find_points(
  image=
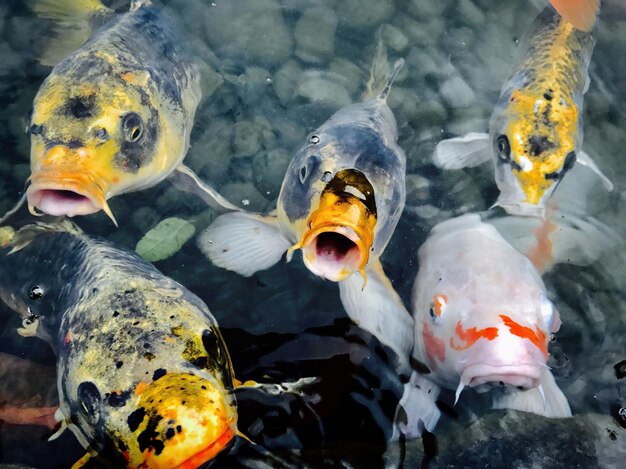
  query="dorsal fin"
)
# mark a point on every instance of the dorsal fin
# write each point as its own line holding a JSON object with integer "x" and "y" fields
{"x": 382, "y": 75}
{"x": 581, "y": 13}
{"x": 25, "y": 235}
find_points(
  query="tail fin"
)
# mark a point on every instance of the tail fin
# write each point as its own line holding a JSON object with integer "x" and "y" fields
{"x": 72, "y": 25}
{"x": 382, "y": 75}
{"x": 581, "y": 13}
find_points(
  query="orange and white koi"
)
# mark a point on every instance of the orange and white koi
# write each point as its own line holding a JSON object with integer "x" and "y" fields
{"x": 536, "y": 129}
{"x": 483, "y": 320}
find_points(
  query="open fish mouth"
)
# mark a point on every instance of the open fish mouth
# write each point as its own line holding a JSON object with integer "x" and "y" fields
{"x": 60, "y": 193}
{"x": 340, "y": 233}
{"x": 335, "y": 251}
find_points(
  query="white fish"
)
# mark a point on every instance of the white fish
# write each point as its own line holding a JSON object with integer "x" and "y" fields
{"x": 483, "y": 320}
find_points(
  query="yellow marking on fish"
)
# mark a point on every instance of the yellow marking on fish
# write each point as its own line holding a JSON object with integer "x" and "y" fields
{"x": 543, "y": 114}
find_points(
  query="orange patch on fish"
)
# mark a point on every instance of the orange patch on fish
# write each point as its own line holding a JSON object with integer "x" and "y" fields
{"x": 141, "y": 387}
{"x": 541, "y": 253}
{"x": 537, "y": 337}
{"x": 581, "y": 13}
{"x": 470, "y": 336}
{"x": 435, "y": 347}
{"x": 68, "y": 339}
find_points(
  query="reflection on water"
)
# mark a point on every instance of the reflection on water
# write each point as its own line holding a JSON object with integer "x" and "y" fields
{"x": 281, "y": 67}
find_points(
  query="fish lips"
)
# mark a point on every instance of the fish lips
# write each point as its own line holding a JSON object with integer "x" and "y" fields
{"x": 68, "y": 193}
{"x": 484, "y": 376}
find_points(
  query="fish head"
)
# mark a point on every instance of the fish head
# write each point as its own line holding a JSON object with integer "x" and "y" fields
{"x": 35, "y": 283}
{"x": 487, "y": 345}
{"x": 161, "y": 399}
{"x": 534, "y": 145}
{"x": 91, "y": 139}
{"x": 342, "y": 197}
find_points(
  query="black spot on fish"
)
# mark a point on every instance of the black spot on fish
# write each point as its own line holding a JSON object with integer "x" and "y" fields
{"x": 149, "y": 437}
{"x": 179, "y": 429}
{"x": 80, "y": 107}
{"x": 548, "y": 95}
{"x": 116, "y": 314}
{"x": 118, "y": 364}
{"x": 555, "y": 176}
{"x": 149, "y": 356}
{"x": 135, "y": 419}
{"x": 118, "y": 400}
{"x": 170, "y": 433}
{"x": 539, "y": 144}
{"x": 146, "y": 345}
{"x": 159, "y": 373}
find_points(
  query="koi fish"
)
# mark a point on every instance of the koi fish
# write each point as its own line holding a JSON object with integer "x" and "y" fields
{"x": 483, "y": 320}
{"x": 115, "y": 115}
{"x": 339, "y": 204}
{"x": 144, "y": 376}
{"x": 536, "y": 129}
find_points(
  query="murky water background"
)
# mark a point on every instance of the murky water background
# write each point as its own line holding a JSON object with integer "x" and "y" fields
{"x": 281, "y": 67}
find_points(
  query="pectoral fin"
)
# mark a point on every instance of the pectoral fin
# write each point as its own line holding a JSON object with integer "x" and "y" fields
{"x": 184, "y": 179}
{"x": 584, "y": 159}
{"x": 460, "y": 152}
{"x": 546, "y": 399}
{"x": 377, "y": 308}
{"x": 417, "y": 410}
{"x": 243, "y": 242}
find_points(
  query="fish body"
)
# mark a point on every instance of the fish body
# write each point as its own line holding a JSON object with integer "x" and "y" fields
{"x": 144, "y": 376}
{"x": 536, "y": 128}
{"x": 339, "y": 203}
{"x": 483, "y": 318}
{"x": 115, "y": 115}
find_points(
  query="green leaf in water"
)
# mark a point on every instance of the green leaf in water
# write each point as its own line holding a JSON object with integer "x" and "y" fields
{"x": 165, "y": 239}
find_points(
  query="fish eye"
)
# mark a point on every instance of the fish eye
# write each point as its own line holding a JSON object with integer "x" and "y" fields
{"x": 549, "y": 313}
{"x": 89, "y": 400}
{"x": 36, "y": 292}
{"x": 132, "y": 127}
{"x": 35, "y": 129}
{"x": 503, "y": 148}
{"x": 314, "y": 139}
{"x": 327, "y": 176}
{"x": 437, "y": 307}
{"x": 102, "y": 133}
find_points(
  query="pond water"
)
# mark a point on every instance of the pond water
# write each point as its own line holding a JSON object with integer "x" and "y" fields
{"x": 281, "y": 68}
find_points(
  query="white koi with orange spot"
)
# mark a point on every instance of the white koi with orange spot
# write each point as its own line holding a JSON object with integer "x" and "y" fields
{"x": 483, "y": 319}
